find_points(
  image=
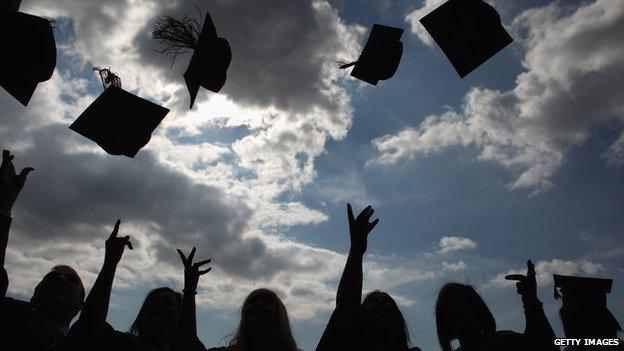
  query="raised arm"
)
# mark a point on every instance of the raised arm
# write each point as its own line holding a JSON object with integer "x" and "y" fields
{"x": 93, "y": 316}
{"x": 186, "y": 337}
{"x": 338, "y": 334}
{"x": 537, "y": 329}
{"x": 349, "y": 293}
{"x": 10, "y": 186}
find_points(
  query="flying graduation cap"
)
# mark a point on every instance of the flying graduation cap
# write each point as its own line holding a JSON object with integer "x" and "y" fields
{"x": 29, "y": 51}
{"x": 381, "y": 55}
{"x": 120, "y": 122}
{"x": 591, "y": 291}
{"x": 469, "y": 32}
{"x": 211, "y": 54}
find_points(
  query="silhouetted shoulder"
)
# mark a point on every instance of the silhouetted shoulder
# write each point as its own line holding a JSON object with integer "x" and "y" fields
{"x": 20, "y": 327}
{"x": 415, "y": 349}
{"x": 9, "y": 304}
{"x": 14, "y": 314}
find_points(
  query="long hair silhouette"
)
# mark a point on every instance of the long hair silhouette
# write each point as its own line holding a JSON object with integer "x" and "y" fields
{"x": 262, "y": 312}
{"x": 153, "y": 306}
{"x": 459, "y": 311}
{"x": 381, "y": 314}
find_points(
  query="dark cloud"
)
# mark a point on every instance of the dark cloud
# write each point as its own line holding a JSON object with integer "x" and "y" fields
{"x": 279, "y": 50}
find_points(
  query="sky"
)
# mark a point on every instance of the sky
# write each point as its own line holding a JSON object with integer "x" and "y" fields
{"x": 522, "y": 159}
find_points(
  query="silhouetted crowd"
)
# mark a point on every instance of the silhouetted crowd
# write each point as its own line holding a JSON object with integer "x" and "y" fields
{"x": 167, "y": 318}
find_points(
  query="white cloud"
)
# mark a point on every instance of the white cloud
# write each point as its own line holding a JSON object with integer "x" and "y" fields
{"x": 414, "y": 17}
{"x": 455, "y": 243}
{"x": 573, "y": 82}
{"x": 453, "y": 266}
{"x": 225, "y": 197}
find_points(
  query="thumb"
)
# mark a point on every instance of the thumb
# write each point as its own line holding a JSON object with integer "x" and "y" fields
{"x": 127, "y": 242}
{"x": 23, "y": 174}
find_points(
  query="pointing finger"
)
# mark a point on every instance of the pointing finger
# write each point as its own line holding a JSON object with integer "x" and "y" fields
{"x": 115, "y": 230}
{"x": 518, "y": 277}
{"x": 530, "y": 269}
{"x": 182, "y": 257}
{"x": 350, "y": 214}
{"x": 190, "y": 257}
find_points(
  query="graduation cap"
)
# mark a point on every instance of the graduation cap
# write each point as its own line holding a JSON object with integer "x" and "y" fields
{"x": 589, "y": 291}
{"x": 29, "y": 51}
{"x": 381, "y": 55}
{"x": 120, "y": 122}
{"x": 211, "y": 54}
{"x": 469, "y": 32}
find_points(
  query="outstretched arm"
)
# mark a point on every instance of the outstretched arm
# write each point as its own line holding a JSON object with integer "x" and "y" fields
{"x": 10, "y": 186}
{"x": 349, "y": 293}
{"x": 186, "y": 337}
{"x": 537, "y": 328}
{"x": 337, "y": 333}
{"x": 95, "y": 310}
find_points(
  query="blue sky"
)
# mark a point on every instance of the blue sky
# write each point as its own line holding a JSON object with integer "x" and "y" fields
{"x": 258, "y": 176}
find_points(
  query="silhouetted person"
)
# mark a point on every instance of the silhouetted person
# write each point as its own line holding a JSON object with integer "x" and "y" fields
{"x": 584, "y": 312}
{"x": 264, "y": 324}
{"x": 155, "y": 324}
{"x": 186, "y": 337}
{"x": 376, "y": 323}
{"x": 461, "y": 314}
{"x": 43, "y": 322}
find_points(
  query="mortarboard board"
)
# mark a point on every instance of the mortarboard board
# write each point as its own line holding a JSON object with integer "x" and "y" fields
{"x": 211, "y": 55}
{"x": 381, "y": 55}
{"x": 29, "y": 57}
{"x": 120, "y": 122}
{"x": 469, "y": 32}
{"x": 588, "y": 291}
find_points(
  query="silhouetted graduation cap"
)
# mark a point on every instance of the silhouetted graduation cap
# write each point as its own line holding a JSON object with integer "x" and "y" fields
{"x": 211, "y": 54}
{"x": 587, "y": 291}
{"x": 469, "y": 32}
{"x": 209, "y": 63}
{"x": 29, "y": 51}
{"x": 120, "y": 122}
{"x": 381, "y": 55}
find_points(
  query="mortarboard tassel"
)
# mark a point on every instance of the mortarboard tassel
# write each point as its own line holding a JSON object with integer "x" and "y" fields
{"x": 211, "y": 54}
{"x": 108, "y": 77}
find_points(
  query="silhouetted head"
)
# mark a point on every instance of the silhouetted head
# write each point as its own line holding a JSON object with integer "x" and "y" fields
{"x": 60, "y": 294}
{"x": 582, "y": 321}
{"x": 262, "y": 314}
{"x": 461, "y": 314}
{"x": 158, "y": 314}
{"x": 383, "y": 320}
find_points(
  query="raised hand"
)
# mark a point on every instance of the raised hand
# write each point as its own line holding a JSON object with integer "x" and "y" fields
{"x": 115, "y": 246}
{"x": 10, "y": 183}
{"x": 360, "y": 227}
{"x": 527, "y": 284}
{"x": 192, "y": 271}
